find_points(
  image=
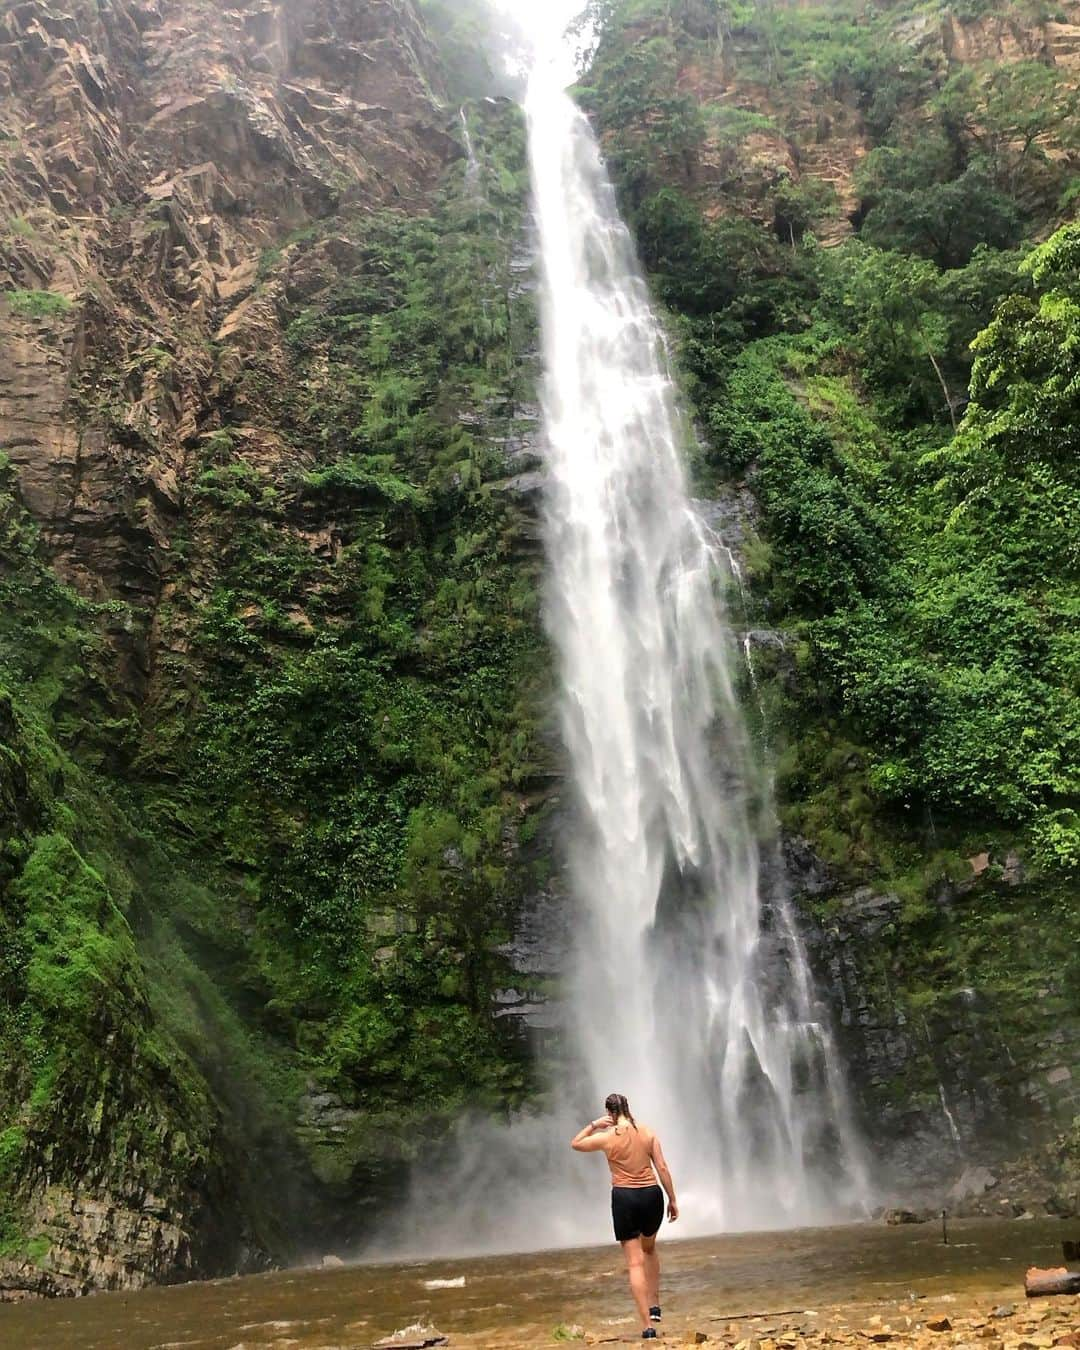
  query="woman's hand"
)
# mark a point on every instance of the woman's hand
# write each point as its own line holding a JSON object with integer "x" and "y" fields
{"x": 672, "y": 1211}
{"x": 601, "y": 1123}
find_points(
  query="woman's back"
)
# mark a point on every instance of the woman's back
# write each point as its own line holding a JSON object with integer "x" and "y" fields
{"x": 628, "y": 1149}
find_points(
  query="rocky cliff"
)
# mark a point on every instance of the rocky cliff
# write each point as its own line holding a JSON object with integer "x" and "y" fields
{"x": 271, "y": 694}
{"x": 770, "y": 118}
{"x": 151, "y": 154}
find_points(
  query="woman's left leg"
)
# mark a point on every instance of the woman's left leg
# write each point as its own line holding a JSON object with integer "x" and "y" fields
{"x": 635, "y": 1269}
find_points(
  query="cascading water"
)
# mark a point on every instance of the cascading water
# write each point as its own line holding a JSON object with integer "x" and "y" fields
{"x": 472, "y": 164}
{"x": 688, "y": 988}
{"x": 687, "y": 992}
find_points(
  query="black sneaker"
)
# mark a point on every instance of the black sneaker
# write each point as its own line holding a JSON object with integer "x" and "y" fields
{"x": 649, "y": 1334}
{"x": 654, "y": 1314}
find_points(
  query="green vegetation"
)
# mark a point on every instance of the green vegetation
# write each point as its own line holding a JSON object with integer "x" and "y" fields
{"x": 364, "y": 725}
{"x": 38, "y": 304}
{"x": 291, "y": 871}
{"x": 119, "y": 1059}
{"x": 903, "y": 407}
{"x": 930, "y": 576}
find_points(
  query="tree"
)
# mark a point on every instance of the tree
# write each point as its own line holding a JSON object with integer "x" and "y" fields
{"x": 1006, "y": 111}
{"x": 894, "y": 304}
{"x": 921, "y": 201}
{"x": 1016, "y": 461}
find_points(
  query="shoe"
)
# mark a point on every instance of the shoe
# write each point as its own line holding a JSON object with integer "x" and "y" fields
{"x": 649, "y": 1334}
{"x": 654, "y": 1314}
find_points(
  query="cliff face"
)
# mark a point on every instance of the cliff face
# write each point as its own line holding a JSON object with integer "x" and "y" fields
{"x": 270, "y": 664}
{"x": 786, "y": 107}
{"x": 151, "y": 153}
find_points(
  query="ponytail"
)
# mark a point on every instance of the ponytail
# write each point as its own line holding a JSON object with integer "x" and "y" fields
{"x": 616, "y": 1105}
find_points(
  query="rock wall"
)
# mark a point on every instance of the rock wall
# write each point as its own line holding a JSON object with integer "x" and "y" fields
{"x": 180, "y": 184}
{"x": 770, "y": 127}
{"x": 150, "y": 154}
{"x": 948, "y": 1077}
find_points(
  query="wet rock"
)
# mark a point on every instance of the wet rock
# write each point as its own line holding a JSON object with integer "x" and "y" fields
{"x": 412, "y": 1339}
{"x": 973, "y": 1181}
{"x": 734, "y": 515}
{"x": 895, "y": 1217}
{"x": 1012, "y": 869}
{"x": 527, "y": 487}
{"x": 806, "y": 873}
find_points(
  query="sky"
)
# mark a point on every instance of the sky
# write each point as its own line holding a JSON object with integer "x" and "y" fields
{"x": 545, "y": 22}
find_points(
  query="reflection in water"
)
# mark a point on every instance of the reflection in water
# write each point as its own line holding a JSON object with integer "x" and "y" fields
{"x": 514, "y": 1301}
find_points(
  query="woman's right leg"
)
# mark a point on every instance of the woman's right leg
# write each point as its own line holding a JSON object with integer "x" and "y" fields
{"x": 635, "y": 1268}
{"x": 652, "y": 1270}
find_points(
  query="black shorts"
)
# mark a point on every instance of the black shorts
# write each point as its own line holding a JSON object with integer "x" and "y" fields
{"x": 637, "y": 1211}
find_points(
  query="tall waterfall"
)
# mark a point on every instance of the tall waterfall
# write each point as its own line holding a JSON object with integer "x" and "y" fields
{"x": 688, "y": 989}
{"x": 687, "y": 992}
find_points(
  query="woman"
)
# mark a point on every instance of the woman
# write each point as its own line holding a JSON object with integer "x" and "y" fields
{"x": 637, "y": 1203}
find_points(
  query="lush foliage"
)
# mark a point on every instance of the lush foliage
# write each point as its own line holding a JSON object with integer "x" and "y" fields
{"x": 365, "y": 731}
{"x": 931, "y": 575}
{"x": 291, "y": 871}
{"x": 98, "y": 1063}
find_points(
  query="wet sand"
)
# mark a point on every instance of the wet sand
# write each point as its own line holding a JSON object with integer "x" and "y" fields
{"x": 858, "y": 1284}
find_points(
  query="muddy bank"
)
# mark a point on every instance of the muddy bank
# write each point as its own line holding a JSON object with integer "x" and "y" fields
{"x": 854, "y": 1285}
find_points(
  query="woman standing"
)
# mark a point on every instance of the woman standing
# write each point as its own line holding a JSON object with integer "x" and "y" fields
{"x": 637, "y": 1202}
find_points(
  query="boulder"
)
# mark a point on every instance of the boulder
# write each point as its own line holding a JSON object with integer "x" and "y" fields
{"x": 972, "y": 1182}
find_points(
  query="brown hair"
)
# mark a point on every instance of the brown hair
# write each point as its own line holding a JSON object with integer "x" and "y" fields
{"x": 616, "y": 1105}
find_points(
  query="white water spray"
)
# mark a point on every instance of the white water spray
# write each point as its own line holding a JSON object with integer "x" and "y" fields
{"x": 687, "y": 993}
{"x": 472, "y": 165}
{"x": 688, "y": 989}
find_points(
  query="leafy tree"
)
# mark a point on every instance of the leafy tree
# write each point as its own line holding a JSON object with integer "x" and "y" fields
{"x": 1017, "y": 456}
{"x": 1006, "y": 111}
{"x": 918, "y": 201}
{"x": 894, "y": 305}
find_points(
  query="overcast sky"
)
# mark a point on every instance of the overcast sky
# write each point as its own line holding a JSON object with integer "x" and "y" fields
{"x": 545, "y": 21}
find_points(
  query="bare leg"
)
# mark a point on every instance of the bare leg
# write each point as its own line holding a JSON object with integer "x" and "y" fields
{"x": 635, "y": 1268}
{"x": 652, "y": 1270}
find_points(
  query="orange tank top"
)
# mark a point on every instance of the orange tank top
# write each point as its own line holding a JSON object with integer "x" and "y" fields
{"x": 628, "y": 1149}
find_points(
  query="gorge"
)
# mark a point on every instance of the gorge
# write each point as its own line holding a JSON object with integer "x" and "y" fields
{"x": 285, "y": 804}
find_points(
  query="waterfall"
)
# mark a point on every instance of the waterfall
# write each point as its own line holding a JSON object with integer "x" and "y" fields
{"x": 689, "y": 989}
{"x": 472, "y": 165}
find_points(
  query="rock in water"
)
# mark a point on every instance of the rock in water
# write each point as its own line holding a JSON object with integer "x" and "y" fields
{"x": 1058, "y": 1280}
{"x": 412, "y": 1338}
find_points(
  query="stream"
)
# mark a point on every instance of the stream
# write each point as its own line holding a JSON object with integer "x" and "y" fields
{"x": 517, "y": 1301}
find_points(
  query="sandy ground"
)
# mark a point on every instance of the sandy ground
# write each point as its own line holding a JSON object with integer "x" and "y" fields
{"x": 1000, "y": 1320}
